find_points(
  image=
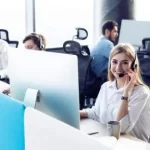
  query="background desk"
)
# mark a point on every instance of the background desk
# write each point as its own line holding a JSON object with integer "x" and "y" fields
{"x": 89, "y": 126}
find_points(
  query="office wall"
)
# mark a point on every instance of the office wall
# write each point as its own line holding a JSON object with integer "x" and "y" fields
{"x": 58, "y": 19}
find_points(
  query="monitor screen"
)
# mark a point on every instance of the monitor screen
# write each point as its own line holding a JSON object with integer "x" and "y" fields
{"x": 54, "y": 75}
{"x": 134, "y": 31}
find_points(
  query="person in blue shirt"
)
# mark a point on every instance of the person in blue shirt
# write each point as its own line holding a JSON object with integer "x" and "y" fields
{"x": 102, "y": 49}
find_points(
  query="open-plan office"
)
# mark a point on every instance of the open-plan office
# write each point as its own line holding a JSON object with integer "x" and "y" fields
{"x": 47, "y": 89}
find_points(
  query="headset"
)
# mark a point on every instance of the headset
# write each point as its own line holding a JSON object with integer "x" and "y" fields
{"x": 40, "y": 40}
{"x": 41, "y": 45}
{"x": 133, "y": 66}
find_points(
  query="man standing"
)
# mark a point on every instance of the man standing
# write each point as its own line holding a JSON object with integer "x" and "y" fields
{"x": 101, "y": 51}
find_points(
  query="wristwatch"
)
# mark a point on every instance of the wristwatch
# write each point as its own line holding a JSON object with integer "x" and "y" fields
{"x": 124, "y": 98}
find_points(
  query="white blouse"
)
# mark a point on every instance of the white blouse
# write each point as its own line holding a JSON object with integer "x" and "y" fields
{"x": 136, "y": 122}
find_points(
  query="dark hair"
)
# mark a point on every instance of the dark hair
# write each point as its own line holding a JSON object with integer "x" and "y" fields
{"x": 38, "y": 39}
{"x": 108, "y": 25}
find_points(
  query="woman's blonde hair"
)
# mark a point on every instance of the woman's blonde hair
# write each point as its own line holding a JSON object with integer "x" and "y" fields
{"x": 130, "y": 52}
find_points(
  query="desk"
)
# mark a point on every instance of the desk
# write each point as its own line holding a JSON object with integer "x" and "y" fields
{"x": 89, "y": 126}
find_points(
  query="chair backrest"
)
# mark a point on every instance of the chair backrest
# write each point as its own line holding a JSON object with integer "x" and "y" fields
{"x": 144, "y": 52}
{"x": 84, "y": 64}
{"x": 145, "y": 41}
{"x": 13, "y": 43}
{"x": 145, "y": 72}
{"x": 4, "y": 35}
{"x": 94, "y": 84}
{"x": 86, "y": 49}
{"x": 56, "y": 50}
{"x": 11, "y": 124}
{"x": 147, "y": 47}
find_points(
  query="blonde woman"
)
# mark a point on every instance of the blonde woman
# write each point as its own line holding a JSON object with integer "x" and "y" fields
{"x": 124, "y": 97}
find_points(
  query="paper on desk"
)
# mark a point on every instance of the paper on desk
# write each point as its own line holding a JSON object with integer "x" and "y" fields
{"x": 127, "y": 144}
{"x": 110, "y": 141}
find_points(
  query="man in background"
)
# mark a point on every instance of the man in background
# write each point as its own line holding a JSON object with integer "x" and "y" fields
{"x": 102, "y": 49}
{"x": 100, "y": 54}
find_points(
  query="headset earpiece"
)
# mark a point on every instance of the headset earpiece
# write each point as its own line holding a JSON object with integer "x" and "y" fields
{"x": 109, "y": 65}
{"x": 40, "y": 40}
{"x": 134, "y": 65}
{"x": 41, "y": 45}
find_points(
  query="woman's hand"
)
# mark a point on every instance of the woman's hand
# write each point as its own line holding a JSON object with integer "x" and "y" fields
{"x": 130, "y": 82}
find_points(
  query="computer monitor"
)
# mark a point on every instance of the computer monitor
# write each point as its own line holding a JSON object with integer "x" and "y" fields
{"x": 134, "y": 31}
{"x": 54, "y": 75}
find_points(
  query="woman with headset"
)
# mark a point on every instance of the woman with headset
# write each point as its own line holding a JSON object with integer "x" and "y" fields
{"x": 35, "y": 41}
{"x": 32, "y": 41}
{"x": 124, "y": 97}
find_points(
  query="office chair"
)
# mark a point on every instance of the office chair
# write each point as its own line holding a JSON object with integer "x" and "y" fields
{"x": 13, "y": 43}
{"x": 84, "y": 63}
{"x": 56, "y": 50}
{"x": 82, "y": 34}
{"x": 4, "y": 35}
{"x": 144, "y": 42}
{"x": 145, "y": 72}
{"x": 145, "y": 50}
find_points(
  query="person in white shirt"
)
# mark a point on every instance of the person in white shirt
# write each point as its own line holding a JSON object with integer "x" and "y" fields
{"x": 4, "y": 87}
{"x": 124, "y": 97}
{"x": 3, "y": 58}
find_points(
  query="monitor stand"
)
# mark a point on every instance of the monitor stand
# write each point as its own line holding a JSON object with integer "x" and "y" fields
{"x": 31, "y": 97}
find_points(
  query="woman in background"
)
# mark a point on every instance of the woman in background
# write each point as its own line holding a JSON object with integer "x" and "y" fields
{"x": 32, "y": 41}
{"x": 35, "y": 41}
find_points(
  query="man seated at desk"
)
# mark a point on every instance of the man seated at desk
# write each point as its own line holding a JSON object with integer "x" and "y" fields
{"x": 100, "y": 53}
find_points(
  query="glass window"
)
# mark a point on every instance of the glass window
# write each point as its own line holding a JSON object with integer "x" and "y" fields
{"x": 57, "y": 20}
{"x": 12, "y": 14}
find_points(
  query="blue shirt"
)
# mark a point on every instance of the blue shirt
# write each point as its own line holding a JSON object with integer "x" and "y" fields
{"x": 100, "y": 53}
